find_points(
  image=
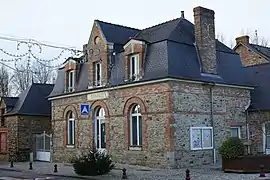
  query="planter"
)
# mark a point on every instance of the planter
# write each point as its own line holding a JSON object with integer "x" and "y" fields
{"x": 247, "y": 164}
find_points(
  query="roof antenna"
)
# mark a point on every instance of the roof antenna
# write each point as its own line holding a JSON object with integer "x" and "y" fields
{"x": 183, "y": 14}
{"x": 256, "y": 37}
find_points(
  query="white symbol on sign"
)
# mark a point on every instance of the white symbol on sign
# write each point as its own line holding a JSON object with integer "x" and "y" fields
{"x": 84, "y": 110}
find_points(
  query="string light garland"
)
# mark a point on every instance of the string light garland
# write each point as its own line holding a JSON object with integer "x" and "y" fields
{"x": 29, "y": 55}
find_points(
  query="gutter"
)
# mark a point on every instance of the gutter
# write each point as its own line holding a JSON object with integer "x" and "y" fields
{"x": 247, "y": 125}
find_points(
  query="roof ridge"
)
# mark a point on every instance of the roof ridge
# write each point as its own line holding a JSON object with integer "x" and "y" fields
{"x": 260, "y": 45}
{"x": 117, "y": 25}
{"x": 162, "y": 23}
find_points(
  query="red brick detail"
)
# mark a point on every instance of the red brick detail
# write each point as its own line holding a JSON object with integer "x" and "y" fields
{"x": 129, "y": 51}
{"x": 3, "y": 140}
{"x": 234, "y": 124}
{"x": 97, "y": 52}
{"x": 128, "y": 105}
{"x": 101, "y": 104}
{"x": 66, "y": 110}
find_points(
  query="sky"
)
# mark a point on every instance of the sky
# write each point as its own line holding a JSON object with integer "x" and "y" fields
{"x": 69, "y": 22}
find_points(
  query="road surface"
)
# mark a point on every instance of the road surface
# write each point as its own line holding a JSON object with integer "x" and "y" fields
{"x": 13, "y": 175}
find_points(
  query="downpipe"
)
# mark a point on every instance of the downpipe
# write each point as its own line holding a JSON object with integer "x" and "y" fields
{"x": 213, "y": 123}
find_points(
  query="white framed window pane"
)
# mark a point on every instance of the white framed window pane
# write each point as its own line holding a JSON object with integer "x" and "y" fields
{"x": 206, "y": 138}
{"x": 196, "y": 135}
{"x": 73, "y": 132}
{"x": 140, "y": 131}
{"x": 267, "y": 129}
{"x": 234, "y": 132}
{"x": 134, "y": 131}
{"x": 268, "y": 142}
{"x": 137, "y": 65}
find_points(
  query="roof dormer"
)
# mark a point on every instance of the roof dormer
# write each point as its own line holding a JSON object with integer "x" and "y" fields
{"x": 134, "y": 59}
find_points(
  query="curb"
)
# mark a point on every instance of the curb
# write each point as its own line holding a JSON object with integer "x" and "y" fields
{"x": 6, "y": 169}
{"x": 50, "y": 174}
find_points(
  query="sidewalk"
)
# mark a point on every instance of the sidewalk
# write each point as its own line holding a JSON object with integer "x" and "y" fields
{"x": 64, "y": 170}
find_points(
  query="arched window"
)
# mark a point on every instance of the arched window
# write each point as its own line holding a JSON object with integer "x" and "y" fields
{"x": 135, "y": 126}
{"x": 70, "y": 128}
{"x": 100, "y": 128}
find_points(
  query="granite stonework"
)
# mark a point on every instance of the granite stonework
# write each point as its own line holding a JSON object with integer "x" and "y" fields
{"x": 192, "y": 108}
{"x": 20, "y": 135}
{"x": 256, "y": 121}
{"x": 185, "y": 104}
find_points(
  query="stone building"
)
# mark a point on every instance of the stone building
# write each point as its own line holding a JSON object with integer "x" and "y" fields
{"x": 21, "y": 118}
{"x": 164, "y": 96}
{"x": 256, "y": 59}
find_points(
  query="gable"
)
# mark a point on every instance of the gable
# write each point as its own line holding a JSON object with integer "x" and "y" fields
{"x": 249, "y": 56}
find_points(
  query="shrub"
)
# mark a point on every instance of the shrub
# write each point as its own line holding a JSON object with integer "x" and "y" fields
{"x": 92, "y": 163}
{"x": 232, "y": 148}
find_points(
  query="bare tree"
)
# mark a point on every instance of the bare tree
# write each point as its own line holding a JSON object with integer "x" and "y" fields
{"x": 220, "y": 37}
{"x": 36, "y": 73}
{"x": 4, "y": 82}
{"x": 255, "y": 38}
{"x": 42, "y": 73}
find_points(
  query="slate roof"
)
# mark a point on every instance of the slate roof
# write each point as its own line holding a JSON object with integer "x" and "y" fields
{"x": 33, "y": 101}
{"x": 259, "y": 75}
{"x": 170, "y": 53}
{"x": 261, "y": 49}
{"x": 10, "y": 101}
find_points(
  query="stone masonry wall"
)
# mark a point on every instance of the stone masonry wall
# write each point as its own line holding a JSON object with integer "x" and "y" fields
{"x": 249, "y": 57}
{"x": 256, "y": 119}
{"x": 191, "y": 108}
{"x": 27, "y": 127}
{"x": 20, "y": 130}
{"x": 154, "y": 101}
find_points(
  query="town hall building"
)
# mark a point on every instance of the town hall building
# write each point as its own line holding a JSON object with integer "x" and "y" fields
{"x": 163, "y": 96}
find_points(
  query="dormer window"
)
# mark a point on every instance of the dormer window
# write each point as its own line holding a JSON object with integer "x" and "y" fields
{"x": 70, "y": 80}
{"x": 134, "y": 67}
{"x": 98, "y": 74}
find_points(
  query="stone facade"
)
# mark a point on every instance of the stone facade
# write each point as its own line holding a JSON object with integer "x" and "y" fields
{"x": 192, "y": 108}
{"x": 182, "y": 104}
{"x": 256, "y": 121}
{"x": 20, "y": 130}
{"x": 248, "y": 56}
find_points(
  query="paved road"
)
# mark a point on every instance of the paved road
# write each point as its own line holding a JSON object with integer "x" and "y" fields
{"x": 13, "y": 175}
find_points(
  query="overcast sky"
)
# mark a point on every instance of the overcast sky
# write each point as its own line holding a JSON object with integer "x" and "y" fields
{"x": 69, "y": 22}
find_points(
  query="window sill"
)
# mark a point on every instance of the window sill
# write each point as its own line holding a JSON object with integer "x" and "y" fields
{"x": 132, "y": 148}
{"x": 70, "y": 146}
{"x": 197, "y": 149}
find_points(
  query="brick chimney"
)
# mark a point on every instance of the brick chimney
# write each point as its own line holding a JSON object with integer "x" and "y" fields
{"x": 204, "y": 26}
{"x": 242, "y": 39}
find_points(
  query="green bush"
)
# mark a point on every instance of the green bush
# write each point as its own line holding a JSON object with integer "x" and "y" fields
{"x": 92, "y": 163}
{"x": 232, "y": 148}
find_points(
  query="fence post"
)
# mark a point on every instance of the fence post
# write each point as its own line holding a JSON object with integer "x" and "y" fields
{"x": 11, "y": 164}
{"x": 124, "y": 176}
{"x": 30, "y": 166}
{"x": 187, "y": 174}
{"x": 55, "y": 168}
{"x": 262, "y": 171}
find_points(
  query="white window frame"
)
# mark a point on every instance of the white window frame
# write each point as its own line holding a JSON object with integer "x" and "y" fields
{"x": 238, "y": 131}
{"x": 101, "y": 119}
{"x": 72, "y": 138}
{"x": 201, "y": 128}
{"x": 139, "y": 143}
{"x": 96, "y": 74}
{"x": 70, "y": 86}
{"x": 136, "y": 69}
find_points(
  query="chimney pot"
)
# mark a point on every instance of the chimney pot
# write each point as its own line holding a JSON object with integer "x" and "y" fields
{"x": 242, "y": 39}
{"x": 182, "y": 14}
{"x": 204, "y": 26}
